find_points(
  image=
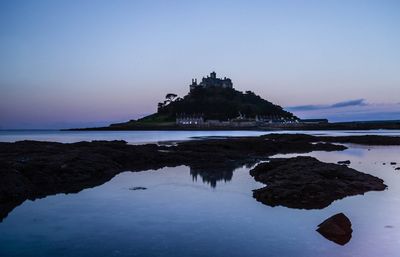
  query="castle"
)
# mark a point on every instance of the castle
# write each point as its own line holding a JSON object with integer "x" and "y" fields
{"x": 211, "y": 81}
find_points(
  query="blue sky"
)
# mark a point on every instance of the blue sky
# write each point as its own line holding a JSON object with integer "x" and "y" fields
{"x": 84, "y": 63}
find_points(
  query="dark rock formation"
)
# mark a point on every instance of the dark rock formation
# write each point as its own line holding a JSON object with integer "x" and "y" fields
{"x": 31, "y": 169}
{"x": 137, "y": 188}
{"x": 347, "y": 162}
{"x": 306, "y": 183}
{"x": 393, "y": 163}
{"x": 336, "y": 229}
{"x": 364, "y": 140}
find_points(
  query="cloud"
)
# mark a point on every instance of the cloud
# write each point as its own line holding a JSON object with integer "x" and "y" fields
{"x": 352, "y": 110}
{"x": 355, "y": 102}
{"x": 305, "y": 107}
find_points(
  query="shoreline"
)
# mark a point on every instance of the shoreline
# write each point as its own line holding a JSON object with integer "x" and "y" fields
{"x": 375, "y": 125}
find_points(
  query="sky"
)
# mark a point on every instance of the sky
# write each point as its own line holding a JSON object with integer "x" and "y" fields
{"x": 90, "y": 63}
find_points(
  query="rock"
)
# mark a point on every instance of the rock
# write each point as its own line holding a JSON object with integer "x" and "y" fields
{"x": 344, "y": 162}
{"x": 306, "y": 183}
{"x": 364, "y": 140}
{"x": 336, "y": 229}
{"x": 398, "y": 168}
{"x": 393, "y": 163}
{"x": 33, "y": 169}
{"x": 137, "y": 188}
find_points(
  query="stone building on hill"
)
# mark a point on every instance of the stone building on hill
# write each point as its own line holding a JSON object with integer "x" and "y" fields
{"x": 212, "y": 81}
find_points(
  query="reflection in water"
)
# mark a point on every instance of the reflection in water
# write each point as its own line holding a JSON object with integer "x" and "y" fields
{"x": 211, "y": 174}
{"x": 176, "y": 217}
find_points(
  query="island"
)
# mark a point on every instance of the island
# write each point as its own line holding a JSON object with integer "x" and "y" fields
{"x": 214, "y": 104}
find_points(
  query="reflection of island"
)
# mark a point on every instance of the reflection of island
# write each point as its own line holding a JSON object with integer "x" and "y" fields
{"x": 211, "y": 174}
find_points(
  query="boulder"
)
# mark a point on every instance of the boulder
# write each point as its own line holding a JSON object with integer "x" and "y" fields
{"x": 336, "y": 229}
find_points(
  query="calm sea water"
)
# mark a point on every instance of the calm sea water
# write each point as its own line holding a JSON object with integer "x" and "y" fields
{"x": 187, "y": 213}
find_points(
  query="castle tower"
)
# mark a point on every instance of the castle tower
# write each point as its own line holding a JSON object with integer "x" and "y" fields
{"x": 193, "y": 85}
{"x": 213, "y": 75}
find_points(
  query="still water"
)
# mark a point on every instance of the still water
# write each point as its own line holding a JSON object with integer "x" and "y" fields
{"x": 185, "y": 212}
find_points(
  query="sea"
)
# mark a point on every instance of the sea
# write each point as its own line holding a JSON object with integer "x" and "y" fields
{"x": 184, "y": 212}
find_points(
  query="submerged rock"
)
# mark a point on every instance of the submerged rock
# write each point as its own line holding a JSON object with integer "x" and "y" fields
{"x": 347, "y": 162}
{"x": 336, "y": 229}
{"x": 306, "y": 183}
{"x": 137, "y": 188}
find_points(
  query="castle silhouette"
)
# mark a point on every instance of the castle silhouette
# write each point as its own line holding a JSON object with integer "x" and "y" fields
{"x": 211, "y": 81}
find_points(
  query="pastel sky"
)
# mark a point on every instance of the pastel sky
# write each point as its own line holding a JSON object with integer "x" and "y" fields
{"x": 88, "y": 63}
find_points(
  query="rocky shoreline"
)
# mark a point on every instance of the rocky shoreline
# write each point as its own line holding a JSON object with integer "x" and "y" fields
{"x": 32, "y": 169}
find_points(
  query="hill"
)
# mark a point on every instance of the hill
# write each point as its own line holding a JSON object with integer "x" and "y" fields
{"x": 217, "y": 103}
{"x": 212, "y": 99}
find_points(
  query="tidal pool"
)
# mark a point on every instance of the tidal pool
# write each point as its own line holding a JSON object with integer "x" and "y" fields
{"x": 183, "y": 212}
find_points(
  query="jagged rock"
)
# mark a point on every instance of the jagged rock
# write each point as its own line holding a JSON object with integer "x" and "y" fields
{"x": 306, "y": 183}
{"x": 336, "y": 229}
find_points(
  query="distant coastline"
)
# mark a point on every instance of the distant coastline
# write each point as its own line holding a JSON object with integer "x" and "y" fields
{"x": 354, "y": 125}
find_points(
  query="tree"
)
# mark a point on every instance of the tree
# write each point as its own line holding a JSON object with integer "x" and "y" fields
{"x": 171, "y": 97}
{"x": 160, "y": 106}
